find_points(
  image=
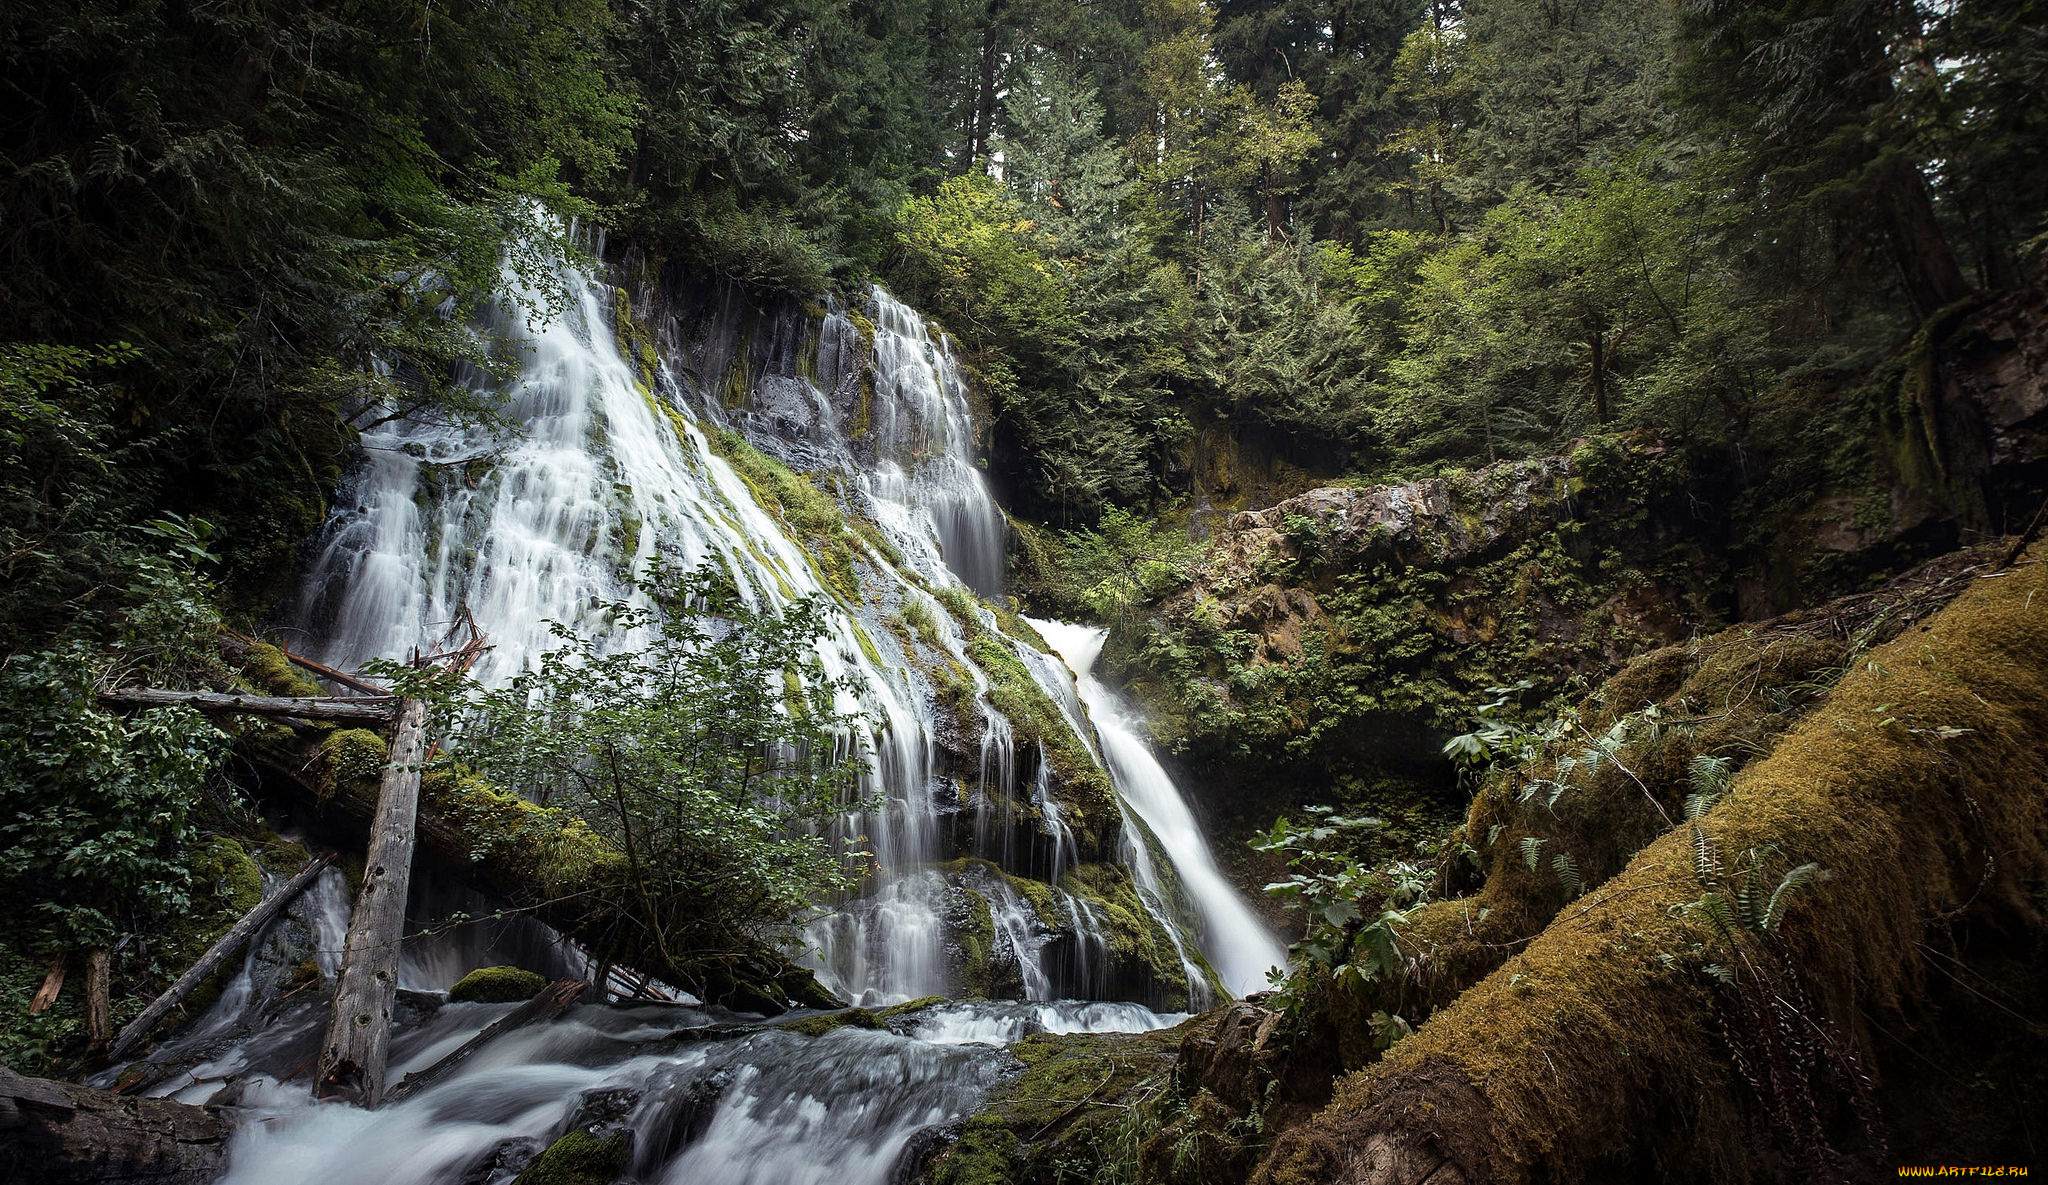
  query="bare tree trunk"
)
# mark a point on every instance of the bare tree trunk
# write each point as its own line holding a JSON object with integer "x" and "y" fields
{"x": 1927, "y": 265}
{"x": 985, "y": 92}
{"x": 223, "y": 949}
{"x": 99, "y": 998}
{"x": 352, "y": 1059}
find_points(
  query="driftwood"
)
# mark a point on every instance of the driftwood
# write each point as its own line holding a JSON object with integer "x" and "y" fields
{"x": 551, "y": 1002}
{"x": 57, "y": 1133}
{"x": 353, "y": 1055}
{"x": 237, "y": 936}
{"x": 368, "y": 710}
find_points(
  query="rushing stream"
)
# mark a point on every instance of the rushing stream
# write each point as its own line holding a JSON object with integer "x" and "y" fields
{"x": 616, "y": 456}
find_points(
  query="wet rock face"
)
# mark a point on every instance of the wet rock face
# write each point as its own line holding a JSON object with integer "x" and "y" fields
{"x": 59, "y": 1134}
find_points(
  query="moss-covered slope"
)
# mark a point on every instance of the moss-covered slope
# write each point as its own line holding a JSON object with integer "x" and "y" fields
{"x": 1677, "y": 1021}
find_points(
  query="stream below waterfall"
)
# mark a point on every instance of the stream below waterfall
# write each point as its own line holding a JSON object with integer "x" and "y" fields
{"x": 615, "y": 457}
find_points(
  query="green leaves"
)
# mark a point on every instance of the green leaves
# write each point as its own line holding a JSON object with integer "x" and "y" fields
{"x": 710, "y": 754}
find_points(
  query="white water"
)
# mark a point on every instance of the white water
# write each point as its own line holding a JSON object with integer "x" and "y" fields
{"x": 1240, "y": 948}
{"x": 596, "y": 477}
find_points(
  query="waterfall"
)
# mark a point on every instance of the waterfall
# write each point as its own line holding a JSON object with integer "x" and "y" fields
{"x": 608, "y": 458}
{"x": 1238, "y": 945}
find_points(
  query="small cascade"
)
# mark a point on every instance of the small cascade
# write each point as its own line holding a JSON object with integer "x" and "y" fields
{"x": 1022, "y": 930}
{"x": 1236, "y": 943}
{"x": 923, "y": 440}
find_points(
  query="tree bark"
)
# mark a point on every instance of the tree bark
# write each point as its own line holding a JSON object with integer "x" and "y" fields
{"x": 367, "y": 710}
{"x": 56, "y": 1133}
{"x": 99, "y": 998}
{"x": 353, "y": 1056}
{"x": 1927, "y": 265}
{"x": 223, "y": 949}
{"x": 551, "y": 1002}
{"x": 53, "y": 983}
{"x": 985, "y": 92}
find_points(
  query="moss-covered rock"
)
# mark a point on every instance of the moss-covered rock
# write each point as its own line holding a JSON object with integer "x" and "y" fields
{"x": 496, "y": 985}
{"x": 580, "y": 1158}
{"x": 825, "y": 1022}
{"x": 1078, "y": 1111}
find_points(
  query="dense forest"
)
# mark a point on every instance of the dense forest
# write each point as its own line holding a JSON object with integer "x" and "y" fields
{"x": 1523, "y": 455}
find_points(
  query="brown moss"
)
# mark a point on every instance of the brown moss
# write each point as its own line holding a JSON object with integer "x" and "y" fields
{"x": 1600, "y": 1050}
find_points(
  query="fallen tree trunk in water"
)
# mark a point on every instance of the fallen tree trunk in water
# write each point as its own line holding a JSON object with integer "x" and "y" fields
{"x": 549, "y": 1003}
{"x": 354, "y": 1052}
{"x": 235, "y": 939}
{"x": 365, "y": 710}
{"x": 55, "y": 1133}
{"x": 1651, "y": 1028}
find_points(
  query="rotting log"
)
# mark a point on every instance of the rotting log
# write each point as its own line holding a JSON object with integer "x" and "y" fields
{"x": 1918, "y": 784}
{"x": 343, "y": 678}
{"x": 547, "y": 1004}
{"x": 58, "y": 1133}
{"x": 362, "y": 710}
{"x": 354, "y": 1053}
{"x": 223, "y": 949}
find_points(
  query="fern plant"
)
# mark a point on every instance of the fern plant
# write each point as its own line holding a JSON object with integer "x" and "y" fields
{"x": 1784, "y": 1047}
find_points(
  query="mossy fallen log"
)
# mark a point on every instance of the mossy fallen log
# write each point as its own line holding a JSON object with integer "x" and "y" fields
{"x": 1625, "y": 1041}
{"x": 545, "y": 860}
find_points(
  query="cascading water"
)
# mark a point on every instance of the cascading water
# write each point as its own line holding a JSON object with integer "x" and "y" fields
{"x": 611, "y": 462}
{"x": 1240, "y": 948}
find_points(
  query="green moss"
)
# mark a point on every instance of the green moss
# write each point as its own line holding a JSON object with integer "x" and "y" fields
{"x": 823, "y": 1023}
{"x": 1077, "y": 1112}
{"x": 908, "y": 1006}
{"x": 496, "y": 985}
{"x": 351, "y": 755}
{"x": 268, "y": 671}
{"x": 976, "y": 935}
{"x": 810, "y": 514}
{"x": 580, "y": 1158}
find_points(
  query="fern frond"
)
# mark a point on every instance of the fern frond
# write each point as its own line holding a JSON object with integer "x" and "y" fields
{"x": 1708, "y": 777}
{"x": 1532, "y": 850}
{"x": 1781, "y": 897}
{"x": 1567, "y": 870}
{"x": 1706, "y": 857}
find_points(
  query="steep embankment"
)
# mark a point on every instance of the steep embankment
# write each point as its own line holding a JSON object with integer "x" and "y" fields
{"x": 1705, "y": 1015}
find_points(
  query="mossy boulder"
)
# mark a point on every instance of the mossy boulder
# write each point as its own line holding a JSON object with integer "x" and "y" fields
{"x": 825, "y": 1022}
{"x": 496, "y": 985}
{"x": 580, "y": 1158}
{"x": 1078, "y": 1111}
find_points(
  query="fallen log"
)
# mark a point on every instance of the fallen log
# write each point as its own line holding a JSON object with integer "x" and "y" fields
{"x": 223, "y": 949}
{"x": 365, "y": 710}
{"x": 343, "y": 678}
{"x": 57, "y": 1133}
{"x": 549, "y": 1003}
{"x": 1917, "y": 784}
{"x": 353, "y": 1056}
